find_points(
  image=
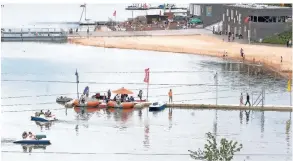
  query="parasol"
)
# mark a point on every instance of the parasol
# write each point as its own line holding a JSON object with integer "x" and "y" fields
{"x": 123, "y": 91}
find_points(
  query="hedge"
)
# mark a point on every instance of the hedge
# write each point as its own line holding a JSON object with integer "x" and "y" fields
{"x": 281, "y": 38}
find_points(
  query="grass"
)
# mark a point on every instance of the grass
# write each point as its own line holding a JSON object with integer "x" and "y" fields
{"x": 281, "y": 38}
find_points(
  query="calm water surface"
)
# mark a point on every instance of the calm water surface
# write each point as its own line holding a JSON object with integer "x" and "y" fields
{"x": 134, "y": 134}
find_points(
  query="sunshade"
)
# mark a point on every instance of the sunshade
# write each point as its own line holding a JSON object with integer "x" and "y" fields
{"x": 123, "y": 91}
{"x": 195, "y": 20}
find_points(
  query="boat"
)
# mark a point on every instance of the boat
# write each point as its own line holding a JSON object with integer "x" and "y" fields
{"x": 88, "y": 103}
{"x": 123, "y": 105}
{"x": 157, "y": 106}
{"x": 36, "y": 141}
{"x": 63, "y": 99}
{"x": 43, "y": 118}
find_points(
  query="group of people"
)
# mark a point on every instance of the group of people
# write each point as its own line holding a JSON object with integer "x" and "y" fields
{"x": 247, "y": 100}
{"x": 46, "y": 114}
{"x": 123, "y": 98}
{"x": 28, "y": 135}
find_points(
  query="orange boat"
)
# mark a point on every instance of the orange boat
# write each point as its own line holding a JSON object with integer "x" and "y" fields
{"x": 124, "y": 105}
{"x": 89, "y": 103}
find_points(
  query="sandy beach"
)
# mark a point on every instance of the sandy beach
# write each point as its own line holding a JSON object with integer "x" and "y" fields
{"x": 208, "y": 45}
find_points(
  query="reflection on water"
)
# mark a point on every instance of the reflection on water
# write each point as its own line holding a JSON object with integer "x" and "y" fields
{"x": 29, "y": 148}
{"x": 146, "y": 142}
{"x": 47, "y": 125}
{"x": 170, "y": 117}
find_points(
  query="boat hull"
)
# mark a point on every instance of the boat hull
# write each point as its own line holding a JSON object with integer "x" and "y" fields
{"x": 33, "y": 118}
{"x": 88, "y": 103}
{"x": 157, "y": 108}
{"x": 33, "y": 142}
{"x": 123, "y": 105}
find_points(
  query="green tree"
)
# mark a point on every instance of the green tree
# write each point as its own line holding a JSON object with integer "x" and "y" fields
{"x": 213, "y": 152}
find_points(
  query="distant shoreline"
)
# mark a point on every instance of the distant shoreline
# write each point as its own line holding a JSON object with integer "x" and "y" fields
{"x": 268, "y": 56}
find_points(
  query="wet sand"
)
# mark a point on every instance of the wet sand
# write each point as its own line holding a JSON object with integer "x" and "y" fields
{"x": 270, "y": 56}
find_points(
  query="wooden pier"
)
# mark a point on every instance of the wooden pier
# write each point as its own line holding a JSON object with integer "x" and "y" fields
{"x": 33, "y": 35}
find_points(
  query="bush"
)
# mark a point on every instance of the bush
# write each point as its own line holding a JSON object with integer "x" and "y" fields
{"x": 281, "y": 38}
{"x": 213, "y": 152}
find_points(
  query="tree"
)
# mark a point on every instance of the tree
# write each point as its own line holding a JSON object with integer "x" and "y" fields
{"x": 212, "y": 152}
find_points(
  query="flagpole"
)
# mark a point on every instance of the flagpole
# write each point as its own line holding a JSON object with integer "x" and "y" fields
{"x": 77, "y": 81}
{"x": 147, "y": 92}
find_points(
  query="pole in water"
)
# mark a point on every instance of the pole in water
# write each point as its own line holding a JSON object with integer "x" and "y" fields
{"x": 77, "y": 81}
{"x": 216, "y": 82}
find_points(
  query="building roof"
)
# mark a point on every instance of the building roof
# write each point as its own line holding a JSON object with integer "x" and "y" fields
{"x": 258, "y": 6}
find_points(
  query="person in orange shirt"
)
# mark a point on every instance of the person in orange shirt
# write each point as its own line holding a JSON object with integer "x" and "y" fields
{"x": 170, "y": 96}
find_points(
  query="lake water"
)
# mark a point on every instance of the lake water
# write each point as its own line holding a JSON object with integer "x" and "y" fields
{"x": 34, "y": 74}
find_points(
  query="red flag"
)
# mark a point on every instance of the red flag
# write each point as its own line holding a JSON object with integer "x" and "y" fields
{"x": 145, "y": 5}
{"x": 247, "y": 19}
{"x": 114, "y": 14}
{"x": 147, "y": 75}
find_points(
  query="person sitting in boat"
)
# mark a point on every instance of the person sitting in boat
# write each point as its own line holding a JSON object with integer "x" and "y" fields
{"x": 24, "y": 135}
{"x": 131, "y": 99}
{"x": 48, "y": 113}
{"x": 41, "y": 113}
{"x": 31, "y": 136}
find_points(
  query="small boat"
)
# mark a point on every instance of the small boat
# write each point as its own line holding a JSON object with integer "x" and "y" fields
{"x": 43, "y": 118}
{"x": 34, "y": 142}
{"x": 157, "y": 106}
{"x": 63, "y": 99}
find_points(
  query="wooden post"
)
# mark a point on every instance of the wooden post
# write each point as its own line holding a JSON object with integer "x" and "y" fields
{"x": 216, "y": 82}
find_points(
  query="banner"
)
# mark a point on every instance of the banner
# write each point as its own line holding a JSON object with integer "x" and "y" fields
{"x": 147, "y": 75}
{"x": 289, "y": 85}
{"x": 86, "y": 90}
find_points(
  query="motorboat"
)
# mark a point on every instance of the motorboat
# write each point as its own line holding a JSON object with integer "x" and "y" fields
{"x": 36, "y": 141}
{"x": 62, "y": 99}
{"x": 43, "y": 118}
{"x": 157, "y": 106}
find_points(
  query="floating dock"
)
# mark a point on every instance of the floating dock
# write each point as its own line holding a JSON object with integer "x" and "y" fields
{"x": 225, "y": 107}
{"x": 35, "y": 34}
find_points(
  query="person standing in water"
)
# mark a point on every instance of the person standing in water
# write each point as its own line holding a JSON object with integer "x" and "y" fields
{"x": 170, "y": 96}
{"x": 247, "y": 100}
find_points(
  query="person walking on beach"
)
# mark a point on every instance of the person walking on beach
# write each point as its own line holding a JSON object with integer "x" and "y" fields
{"x": 241, "y": 99}
{"x": 241, "y": 53}
{"x": 170, "y": 96}
{"x": 247, "y": 100}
